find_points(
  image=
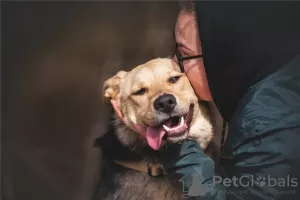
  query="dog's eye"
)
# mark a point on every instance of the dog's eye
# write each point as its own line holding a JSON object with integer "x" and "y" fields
{"x": 174, "y": 79}
{"x": 140, "y": 91}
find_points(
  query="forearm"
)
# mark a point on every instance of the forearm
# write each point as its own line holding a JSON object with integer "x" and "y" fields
{"x": 197, "y": 172}
{"x": 203, "y": 179}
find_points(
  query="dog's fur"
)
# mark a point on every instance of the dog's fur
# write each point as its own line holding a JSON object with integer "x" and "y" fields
{"x": 137, "y": 108}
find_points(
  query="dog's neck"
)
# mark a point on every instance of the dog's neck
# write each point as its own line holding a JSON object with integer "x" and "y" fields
{"x": 137, "y": 156}
{"x": 119, "y": 144}
{"x": 153, "y": 170}
{"x": 113, "y": 149}
{"x": 115, "y": 152}
{"x": 133, "y": 141}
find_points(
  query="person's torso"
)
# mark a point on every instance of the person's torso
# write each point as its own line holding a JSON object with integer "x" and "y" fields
{"x": 270, "y": 105}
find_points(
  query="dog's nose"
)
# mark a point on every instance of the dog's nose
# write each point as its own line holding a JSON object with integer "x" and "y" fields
{"x": 165, "y": 103}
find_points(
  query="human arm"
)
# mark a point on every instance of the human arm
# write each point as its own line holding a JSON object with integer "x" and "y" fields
{"x": 273, "y": 158}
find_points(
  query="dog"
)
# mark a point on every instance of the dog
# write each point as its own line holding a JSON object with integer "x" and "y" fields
{"x": 160, "y": 99}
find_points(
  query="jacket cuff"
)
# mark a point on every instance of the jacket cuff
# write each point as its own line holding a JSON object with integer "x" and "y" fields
{"x": 188, "y": 158}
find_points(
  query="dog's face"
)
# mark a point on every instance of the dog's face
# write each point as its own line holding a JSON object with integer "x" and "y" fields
{"x": 159, "y": 97}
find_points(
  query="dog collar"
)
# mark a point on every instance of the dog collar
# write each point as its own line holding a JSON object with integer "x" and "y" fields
{"x": 153, "y": 170}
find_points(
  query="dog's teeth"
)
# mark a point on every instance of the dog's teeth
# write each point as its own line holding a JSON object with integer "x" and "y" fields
{"x": 166, "y": 128}
{"x": 181, "y": 121}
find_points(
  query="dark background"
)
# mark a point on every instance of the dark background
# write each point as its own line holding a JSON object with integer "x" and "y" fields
{"x": 55, "y": 57}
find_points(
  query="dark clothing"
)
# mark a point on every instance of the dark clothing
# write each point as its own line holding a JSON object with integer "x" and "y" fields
{"x": 250, "y": 54}
{"x": 262, "y": 144}
{"x": 242, "y": 42}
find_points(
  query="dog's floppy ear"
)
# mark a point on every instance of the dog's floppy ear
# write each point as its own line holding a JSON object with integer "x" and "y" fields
{"x": 111, "y": 87}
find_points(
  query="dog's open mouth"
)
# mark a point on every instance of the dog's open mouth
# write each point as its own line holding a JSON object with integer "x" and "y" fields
{"x": 172, "y": 127}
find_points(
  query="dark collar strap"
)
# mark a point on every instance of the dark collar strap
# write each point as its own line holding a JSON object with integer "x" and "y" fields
{"x": 153, "y": 170}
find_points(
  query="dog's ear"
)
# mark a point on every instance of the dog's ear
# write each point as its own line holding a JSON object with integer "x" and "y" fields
{"x": 111, "y": 87}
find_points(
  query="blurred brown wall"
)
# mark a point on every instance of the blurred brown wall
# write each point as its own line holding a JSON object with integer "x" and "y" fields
{"x": 55, "y": 57}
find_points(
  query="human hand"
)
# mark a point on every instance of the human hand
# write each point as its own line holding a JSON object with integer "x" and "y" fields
{"x": 180, "y": 155}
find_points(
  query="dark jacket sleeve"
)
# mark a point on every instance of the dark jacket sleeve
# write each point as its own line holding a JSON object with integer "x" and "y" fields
{"x": 243, "y": 43}
{"x": 263, "y": 142}
{"x": 268, "y": 171}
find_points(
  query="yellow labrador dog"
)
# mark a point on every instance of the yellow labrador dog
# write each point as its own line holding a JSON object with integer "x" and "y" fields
{"x": 159, "y": 98}
{"x": 155, "y": 107}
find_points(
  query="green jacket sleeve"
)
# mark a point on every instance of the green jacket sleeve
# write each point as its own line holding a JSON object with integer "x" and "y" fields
{"x": 265, "y": 171}
{"x": 194, "y": 169}
{"x": 263, "y": 141}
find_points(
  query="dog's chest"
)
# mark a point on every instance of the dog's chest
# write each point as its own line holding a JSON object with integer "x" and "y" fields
{"x": 119, "y": 183}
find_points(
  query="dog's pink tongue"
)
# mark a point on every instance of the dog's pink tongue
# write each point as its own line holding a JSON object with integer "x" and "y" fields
{"x": 154, "y": 137}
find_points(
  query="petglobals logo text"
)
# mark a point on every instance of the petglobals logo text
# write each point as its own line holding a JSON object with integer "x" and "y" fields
{"x": 251, "y": 181}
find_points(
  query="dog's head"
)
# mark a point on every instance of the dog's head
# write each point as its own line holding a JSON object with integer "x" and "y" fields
{"x": 157, "y": 96}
